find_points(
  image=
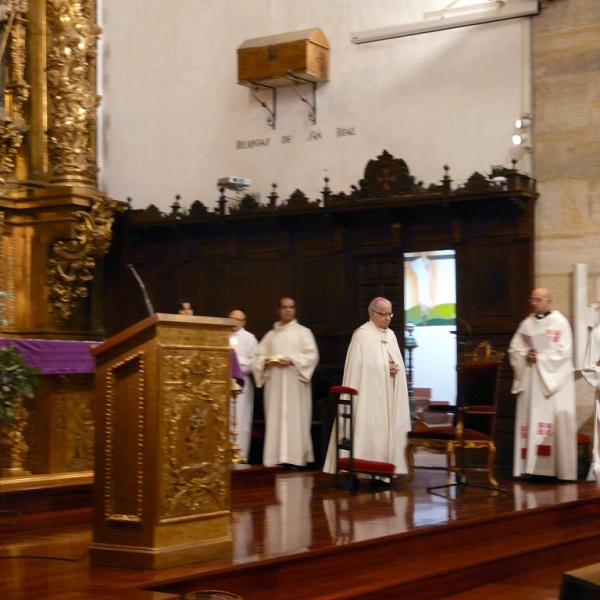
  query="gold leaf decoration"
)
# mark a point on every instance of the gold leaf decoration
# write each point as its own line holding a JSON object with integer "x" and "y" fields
{"x": 71, "y": 262}
{"x": 71, "y": 94}
{"x": 196, "y": 426}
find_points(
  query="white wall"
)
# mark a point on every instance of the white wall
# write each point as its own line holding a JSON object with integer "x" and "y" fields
{"x": 172, "y": 111}
{"x": 434, "y": 361}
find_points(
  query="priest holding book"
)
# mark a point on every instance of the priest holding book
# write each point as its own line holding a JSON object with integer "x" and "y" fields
{"x": 541, "y": 355}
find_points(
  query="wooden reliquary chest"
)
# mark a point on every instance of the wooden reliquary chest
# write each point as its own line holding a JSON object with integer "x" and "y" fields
{"x": 275, "y": 60}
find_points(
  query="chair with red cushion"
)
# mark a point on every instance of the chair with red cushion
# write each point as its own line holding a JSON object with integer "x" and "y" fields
{"x": 344, "y": 434}
{"x": 478, "y": 378}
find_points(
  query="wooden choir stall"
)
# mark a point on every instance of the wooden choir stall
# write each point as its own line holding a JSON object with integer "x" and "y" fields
{"x": 333, "y": 255}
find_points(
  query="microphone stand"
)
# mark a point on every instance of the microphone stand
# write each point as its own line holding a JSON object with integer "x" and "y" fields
{"x": 461, "y": 476}
{"x": 469, "y": 341}
{"x": 143, "y": 288}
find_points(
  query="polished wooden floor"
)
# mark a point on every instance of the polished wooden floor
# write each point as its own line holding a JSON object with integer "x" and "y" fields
{"x": 301, "y": 538}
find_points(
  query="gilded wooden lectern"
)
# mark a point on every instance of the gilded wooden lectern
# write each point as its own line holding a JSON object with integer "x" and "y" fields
{"x": 162, "y": 455}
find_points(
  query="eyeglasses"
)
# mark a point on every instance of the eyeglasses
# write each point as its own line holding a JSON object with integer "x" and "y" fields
{"x": 390, "y": 315}
{"x": 534, "y": 300}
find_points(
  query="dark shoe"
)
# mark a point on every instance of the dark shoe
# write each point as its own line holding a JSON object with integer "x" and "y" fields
{"x": 380, "y": 483}
{"x": 290, "y": 467}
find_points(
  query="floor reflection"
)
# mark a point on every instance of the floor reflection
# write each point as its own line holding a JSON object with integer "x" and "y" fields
{"x": 288, "y": 525}
{"x": 527, "y": 496}
{"x": 278, "y": 528}
{"x": 306, "y": 512}
{"x": 348, "y": 523}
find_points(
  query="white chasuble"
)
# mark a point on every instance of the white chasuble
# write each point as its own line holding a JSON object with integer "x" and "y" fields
{"x": 591, "y": 372}
{"x": 545, "y": 424}
{"x": 288, "y": 395}
{"x": 382, "y": 412}
{"x": 244, "y": 343}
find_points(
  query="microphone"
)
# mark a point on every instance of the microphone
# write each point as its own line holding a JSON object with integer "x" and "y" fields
{"x": 467, "y": 344}
{"x": 466, "y": 325}
{"x": 143, "y": 287}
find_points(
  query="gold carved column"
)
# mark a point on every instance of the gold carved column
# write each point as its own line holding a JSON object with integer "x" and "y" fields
{"x": 162, "y": 478}
{"x": 57, "y": 224}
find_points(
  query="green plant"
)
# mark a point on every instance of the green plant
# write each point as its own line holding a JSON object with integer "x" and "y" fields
{"x": 17, "y": 379}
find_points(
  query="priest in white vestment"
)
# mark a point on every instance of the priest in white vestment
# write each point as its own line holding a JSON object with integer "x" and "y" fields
{"x": 591, "y": 372}
{"x": 541, "y": 355}
{"x": 284, "y": 362}
{"x": 374, "y": 367}
{"x": 243, "y": 343}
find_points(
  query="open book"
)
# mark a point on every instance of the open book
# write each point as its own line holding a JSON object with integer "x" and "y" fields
{"x": 538, "y": 342}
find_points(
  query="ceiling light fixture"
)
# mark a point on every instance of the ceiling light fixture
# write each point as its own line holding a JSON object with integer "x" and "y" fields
{"x": 524, "y": 122}
{"x": 522, "y": 136}
{"x": 520, "y": 139}
{"x": 451, "y": 18}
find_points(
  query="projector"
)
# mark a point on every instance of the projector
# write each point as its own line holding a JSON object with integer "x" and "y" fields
{"x": 234, "y": 183}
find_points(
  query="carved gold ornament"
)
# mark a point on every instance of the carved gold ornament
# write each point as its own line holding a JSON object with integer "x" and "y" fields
{"x": 75, "y": 419}
{"x": 11, "y": 138}
{"x": 72, "y": 99}
{"x": 16, "y": 87}
{"x": 71, "y": 262}
{"x": 196, "y": 430}
{"x": 13, "y": 447}
{"x": 15, "y": 90}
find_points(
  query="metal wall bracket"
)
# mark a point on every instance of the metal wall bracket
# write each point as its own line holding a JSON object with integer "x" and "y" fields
{"x": 312, "y": 115}
{"x": 272, "y": 118}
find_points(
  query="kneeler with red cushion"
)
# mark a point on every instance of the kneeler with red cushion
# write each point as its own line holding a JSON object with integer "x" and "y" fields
{"x": 351, "y": 464}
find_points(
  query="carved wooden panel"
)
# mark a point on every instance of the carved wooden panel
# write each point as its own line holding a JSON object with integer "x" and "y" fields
{"x": 124, "y": 414}
{"x": 194, "y": 432}
{"x": 380, "y": 276}
{"x": 60, "y": 428}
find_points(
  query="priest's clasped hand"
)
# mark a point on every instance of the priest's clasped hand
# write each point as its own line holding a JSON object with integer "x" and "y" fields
{"x": 394, "y": 368}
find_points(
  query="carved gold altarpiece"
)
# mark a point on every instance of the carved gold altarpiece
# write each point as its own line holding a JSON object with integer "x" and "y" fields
{"x": 55, "y": 225}
{"x": 162, "y": 453}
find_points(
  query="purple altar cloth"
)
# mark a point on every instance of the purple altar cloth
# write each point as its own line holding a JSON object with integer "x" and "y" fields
{"x": 63, "y": 357}
{"x": 55, "y": 357}
{"x": 236, "y": 371}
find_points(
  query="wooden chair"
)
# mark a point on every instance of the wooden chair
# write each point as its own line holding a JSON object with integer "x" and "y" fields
{"x": 421, "y": 397}
{"x": 422, "y": 401}
{"x": 478, "y": 378}
{"x": 344, "y": 435}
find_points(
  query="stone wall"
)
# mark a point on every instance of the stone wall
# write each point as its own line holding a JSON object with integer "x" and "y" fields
{"x": 566, "y": 154}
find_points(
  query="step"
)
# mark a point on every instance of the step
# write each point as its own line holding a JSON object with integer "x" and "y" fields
{"x": 421, "y": 565}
